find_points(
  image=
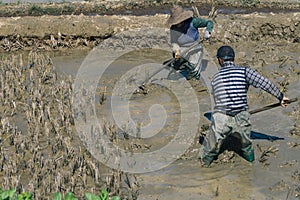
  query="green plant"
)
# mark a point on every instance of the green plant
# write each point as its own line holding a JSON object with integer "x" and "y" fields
{"x": 11, "y": 195}
{"x": 68, "y": 196}
{"x": 102, "y": 196}
{"x": 7, "y": 194}
{"x": 25, "y": 196}
{"x": 87, "y": 196}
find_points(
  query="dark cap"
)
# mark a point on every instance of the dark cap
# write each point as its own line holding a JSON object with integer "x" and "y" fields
{"x": 226, "y": 53}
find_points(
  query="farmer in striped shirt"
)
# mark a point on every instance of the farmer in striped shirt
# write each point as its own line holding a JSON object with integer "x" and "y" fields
{"x": 230, "y": 117}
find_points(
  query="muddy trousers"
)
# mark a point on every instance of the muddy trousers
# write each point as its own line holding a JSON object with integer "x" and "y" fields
{"x": 223, "y": 130}
{"x": 194, "y": 56}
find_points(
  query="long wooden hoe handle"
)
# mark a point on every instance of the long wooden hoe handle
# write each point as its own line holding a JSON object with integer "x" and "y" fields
{"x": 170, "y": 61}
{"x": 271, "y": 106}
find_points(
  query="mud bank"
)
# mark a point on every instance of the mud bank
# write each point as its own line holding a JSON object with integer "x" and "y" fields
{"x": 81, "y": 31}
{"x": 136, "y": 7}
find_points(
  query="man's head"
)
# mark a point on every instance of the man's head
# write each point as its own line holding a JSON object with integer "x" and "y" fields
{"x": 225, "y": 53}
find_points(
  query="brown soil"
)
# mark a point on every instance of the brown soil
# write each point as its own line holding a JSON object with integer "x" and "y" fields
{"x": 63, "y": 31}
{"x": 269, "y": 42}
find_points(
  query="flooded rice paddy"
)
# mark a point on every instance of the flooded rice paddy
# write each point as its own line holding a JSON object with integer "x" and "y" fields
{"x": 274, "y": 174}
{"x": 42, "y": 152}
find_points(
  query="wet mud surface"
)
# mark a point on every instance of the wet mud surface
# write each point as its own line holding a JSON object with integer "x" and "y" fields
{"x": 267, "y": 42}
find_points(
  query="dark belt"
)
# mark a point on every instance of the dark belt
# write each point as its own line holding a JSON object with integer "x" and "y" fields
{"x": 229, "y": 113}
{"x": 232, "y": 114}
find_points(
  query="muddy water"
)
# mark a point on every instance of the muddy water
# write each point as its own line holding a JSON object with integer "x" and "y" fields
{"x": 275, "y": 178}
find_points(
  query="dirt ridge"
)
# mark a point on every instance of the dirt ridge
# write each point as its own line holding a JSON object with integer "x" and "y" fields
{"x": 137, "y": 6}
{"x": 74, "y": 31}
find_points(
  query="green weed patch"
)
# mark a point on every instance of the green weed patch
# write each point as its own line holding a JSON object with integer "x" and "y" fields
{"x": 11, "y": 194}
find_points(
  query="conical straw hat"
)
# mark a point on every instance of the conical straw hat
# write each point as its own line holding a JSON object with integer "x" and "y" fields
{"x": 179, "y": 15}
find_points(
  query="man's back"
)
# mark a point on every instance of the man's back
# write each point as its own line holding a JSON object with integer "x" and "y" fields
{"x": 229, "y": 87}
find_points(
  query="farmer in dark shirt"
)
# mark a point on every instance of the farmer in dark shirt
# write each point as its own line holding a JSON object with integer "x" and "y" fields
{"x": 184, "y": 34}
{"x": 230, "y": 116}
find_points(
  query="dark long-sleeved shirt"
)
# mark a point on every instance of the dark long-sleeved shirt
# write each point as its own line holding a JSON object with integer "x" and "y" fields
{"x": 190, "y": 29}
{"x": 230, "y": 86}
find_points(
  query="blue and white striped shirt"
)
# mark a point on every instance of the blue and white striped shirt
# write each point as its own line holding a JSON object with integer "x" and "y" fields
{"x": 230, "y": 86}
